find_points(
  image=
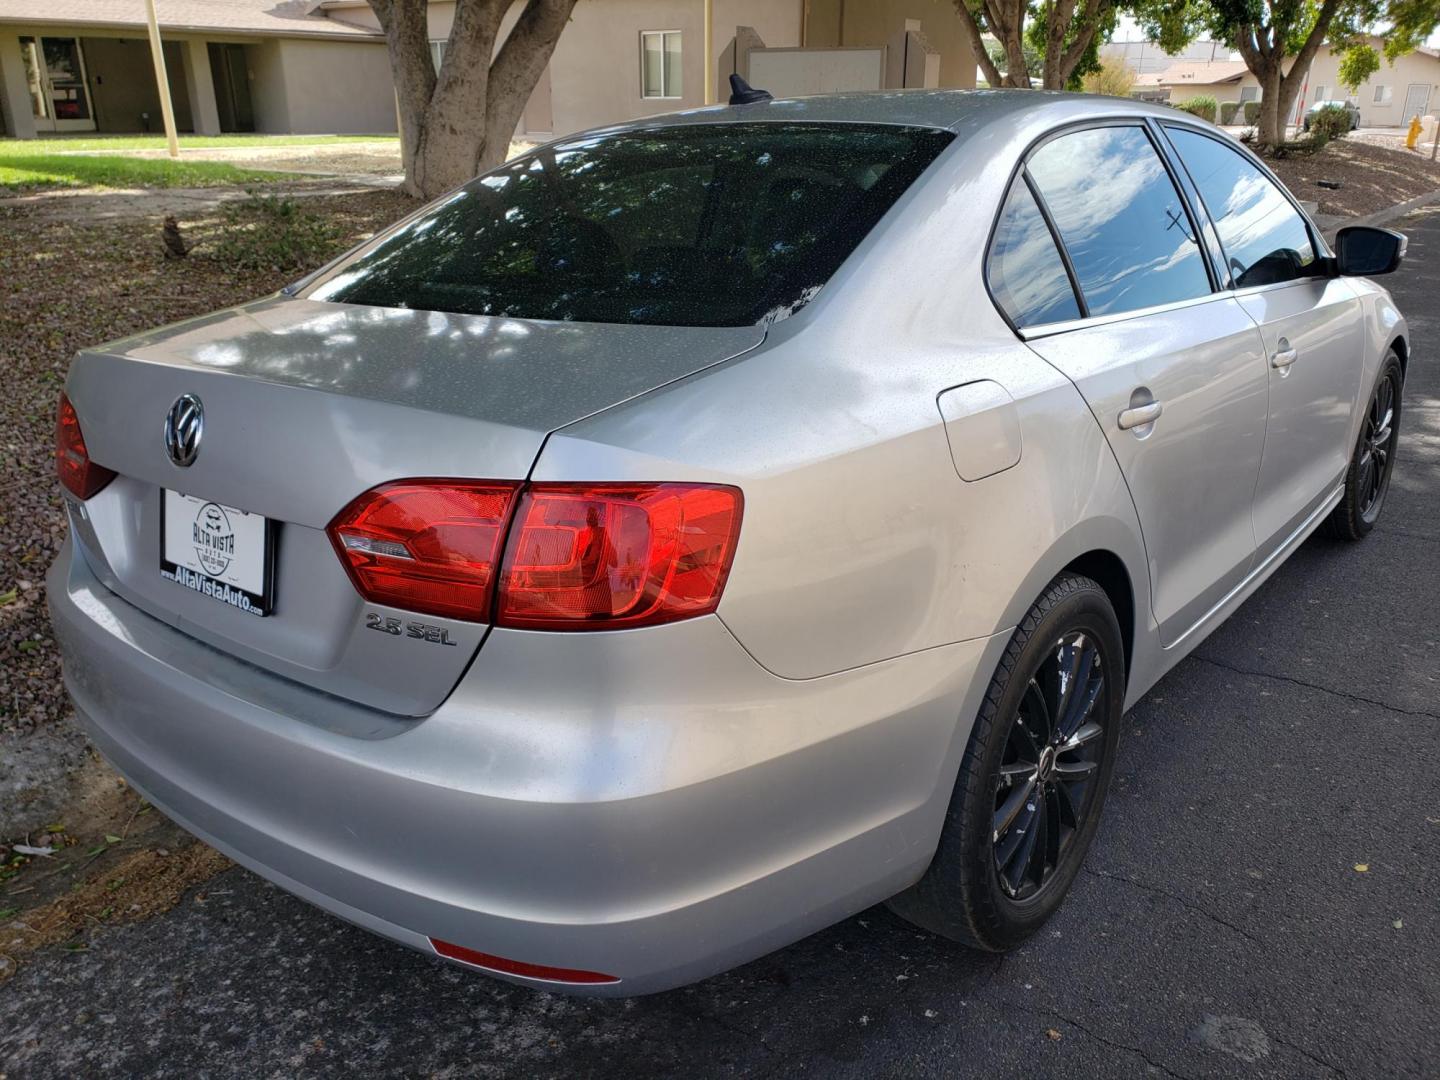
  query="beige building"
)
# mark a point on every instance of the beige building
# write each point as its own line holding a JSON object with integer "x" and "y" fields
{"x": 1409, "y": 87}
{"x": 321, "y": 65}
{"x": 69, "y": 66}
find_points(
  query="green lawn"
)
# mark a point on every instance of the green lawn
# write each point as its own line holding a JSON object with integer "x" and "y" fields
{"x": 26, "y": 147}
{"x": 24, "y": 171}
{"x": 101, "y": 161}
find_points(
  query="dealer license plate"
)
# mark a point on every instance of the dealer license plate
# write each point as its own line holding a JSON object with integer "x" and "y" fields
{"x": 218, "y": 551}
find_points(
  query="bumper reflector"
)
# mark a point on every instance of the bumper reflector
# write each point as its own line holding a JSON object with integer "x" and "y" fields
{"x": 518, "y": 967}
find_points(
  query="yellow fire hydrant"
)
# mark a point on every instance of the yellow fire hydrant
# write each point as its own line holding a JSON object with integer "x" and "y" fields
{"x": 1413, "y": 135}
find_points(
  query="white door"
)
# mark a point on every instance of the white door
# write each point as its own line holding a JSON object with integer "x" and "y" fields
{"x": 1417, "y": 102}
{"x": 55, "y": 72}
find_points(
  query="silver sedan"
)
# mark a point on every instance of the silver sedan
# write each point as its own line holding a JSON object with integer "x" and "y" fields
{"x": 698, "y": 530}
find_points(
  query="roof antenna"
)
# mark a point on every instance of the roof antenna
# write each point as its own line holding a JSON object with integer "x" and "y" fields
{"x": 742, "y": 93}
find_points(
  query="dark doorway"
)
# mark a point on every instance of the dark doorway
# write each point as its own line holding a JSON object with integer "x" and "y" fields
{"x": 232, "y": 87}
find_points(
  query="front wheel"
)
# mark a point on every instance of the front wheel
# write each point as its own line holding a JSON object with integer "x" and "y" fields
{"x": 1367, "y": 480}
{"x": 1032, "y": 783}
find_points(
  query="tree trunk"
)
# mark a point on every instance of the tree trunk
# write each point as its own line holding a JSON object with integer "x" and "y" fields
{"x": 1270, "y": 131}
{"x": 458, "y": 123}
{"x": 1263, "y": 49}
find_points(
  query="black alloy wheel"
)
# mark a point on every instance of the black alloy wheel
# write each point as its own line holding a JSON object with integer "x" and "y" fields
{"x": 1046, "y": 781}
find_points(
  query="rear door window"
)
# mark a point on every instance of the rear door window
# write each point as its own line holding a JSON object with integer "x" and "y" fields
{"x": 692, "y": 225}
{"x": 1026, "y": 274}
{"x": 1264, "y": 237}
{"x": 1124, "y": 226}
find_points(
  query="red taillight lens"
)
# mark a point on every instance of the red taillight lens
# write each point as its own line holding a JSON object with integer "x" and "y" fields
{"x": 579, "y": 556}
{"x": 81, "y": 476}
{"x": 426, "y": 545}
{"x": 611, "y": 556}
{"x": 519, "y": 967}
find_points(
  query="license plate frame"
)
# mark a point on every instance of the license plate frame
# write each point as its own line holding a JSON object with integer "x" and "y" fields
{"x": 223, "y": 568}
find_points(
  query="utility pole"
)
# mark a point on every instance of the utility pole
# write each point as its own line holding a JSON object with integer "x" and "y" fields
{"x": 157, "y": 54}
{"x": 709, "y": 67}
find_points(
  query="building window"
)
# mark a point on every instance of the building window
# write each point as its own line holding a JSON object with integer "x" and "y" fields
{"x": 1319, "y": 93}
{"x": 437, "y": 54}
{"x": 1382, "y": 95}
{"x": 1249, "y": 93}
{"x": 660, "y": 63}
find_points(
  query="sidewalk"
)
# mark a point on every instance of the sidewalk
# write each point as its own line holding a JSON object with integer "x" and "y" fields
{"x": 102, "y": 204}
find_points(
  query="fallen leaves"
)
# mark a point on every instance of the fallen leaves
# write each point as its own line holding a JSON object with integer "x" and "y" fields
{"x": 67, "y": 283}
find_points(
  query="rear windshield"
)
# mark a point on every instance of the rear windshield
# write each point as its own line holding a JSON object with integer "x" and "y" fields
{"x": 707, "y": 225}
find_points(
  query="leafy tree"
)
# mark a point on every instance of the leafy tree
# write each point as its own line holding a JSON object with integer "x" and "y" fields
{"x": 1063, "y": 38}
{"x": 1279, "y": 38}
{"x": 1058, "y": 41}
{"x": 1357, "y": 65}
{"x": 1033, "y": 58}
{"x": 458, "y": 121}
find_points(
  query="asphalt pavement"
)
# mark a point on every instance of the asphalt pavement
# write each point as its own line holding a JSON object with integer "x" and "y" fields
{"x": 1263, "y": 899}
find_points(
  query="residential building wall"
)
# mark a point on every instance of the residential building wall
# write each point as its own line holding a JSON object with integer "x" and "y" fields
{"x": 337, "y": 87}
{"x": 268, "y": 97}
{"x": 582, "y": 82}
{"x": 122, "y": 84}
{"x": 874, "y": 22}
{"x": 1415, "y": 69}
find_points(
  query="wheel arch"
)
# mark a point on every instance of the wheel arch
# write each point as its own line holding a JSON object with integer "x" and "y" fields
{"x": 1110, "y": 551}
{"x": 1108, "y": 571}
{"x": 1402, "y": 350}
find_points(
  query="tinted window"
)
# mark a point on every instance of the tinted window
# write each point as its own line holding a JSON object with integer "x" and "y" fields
{"x": 707, "y": 225}
{"x": 1027, "y": 276}
{"x": 1122, "y": 221}
{"x": 1264, "y": 238}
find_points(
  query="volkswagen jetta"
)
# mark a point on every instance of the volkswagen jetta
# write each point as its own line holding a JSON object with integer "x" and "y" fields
{"x": 697, "y": 530}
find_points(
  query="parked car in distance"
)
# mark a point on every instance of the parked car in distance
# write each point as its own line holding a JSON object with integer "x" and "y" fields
{"x": 1349, "y": 108}
{"x": 695, "y": 531}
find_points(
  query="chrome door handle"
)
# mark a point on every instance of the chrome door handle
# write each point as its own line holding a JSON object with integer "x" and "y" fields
{"x": 1283, "y": 358}
{"x": 1140, "y": 416}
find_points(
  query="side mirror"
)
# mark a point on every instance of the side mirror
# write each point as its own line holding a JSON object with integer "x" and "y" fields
{"x": 1362, "y": 251}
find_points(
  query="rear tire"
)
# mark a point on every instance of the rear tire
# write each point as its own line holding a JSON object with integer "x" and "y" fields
{"x": 1367, "y": 480}
{"x": 994, "y": 882}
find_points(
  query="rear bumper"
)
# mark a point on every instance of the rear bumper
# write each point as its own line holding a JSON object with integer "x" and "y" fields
{"x": 651, "y": 804}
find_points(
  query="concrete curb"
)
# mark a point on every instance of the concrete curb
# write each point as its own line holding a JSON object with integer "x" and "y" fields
{"x": 1329, "y": 223}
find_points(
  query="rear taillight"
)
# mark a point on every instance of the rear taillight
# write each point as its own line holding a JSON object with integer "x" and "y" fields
{"x": 592, "y": 556}
{"x": 81, "y": 476}
{"x": 426, "y": 545}
{"x": 578, "y": 556}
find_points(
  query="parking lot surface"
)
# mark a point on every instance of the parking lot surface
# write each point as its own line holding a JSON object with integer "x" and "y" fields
{"x": 1263, "y": 899}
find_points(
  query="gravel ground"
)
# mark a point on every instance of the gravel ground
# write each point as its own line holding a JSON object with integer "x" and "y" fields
{"x": 1372, "y": 175}
{"x": 65, "y": 286}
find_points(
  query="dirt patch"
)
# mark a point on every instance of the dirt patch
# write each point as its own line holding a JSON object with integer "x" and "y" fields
{"x": 143, "y": 884}
{"x": 106, "y": 855}
{"x": 1371, "y": 176}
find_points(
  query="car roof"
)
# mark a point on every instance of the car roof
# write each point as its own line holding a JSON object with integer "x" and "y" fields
{"x": 948, "y": 110}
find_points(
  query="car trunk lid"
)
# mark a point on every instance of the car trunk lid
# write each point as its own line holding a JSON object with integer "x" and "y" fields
{"x": 305, "y": 406}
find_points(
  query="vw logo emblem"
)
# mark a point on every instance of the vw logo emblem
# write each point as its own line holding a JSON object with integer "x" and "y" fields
{"x": 183, "y": 427}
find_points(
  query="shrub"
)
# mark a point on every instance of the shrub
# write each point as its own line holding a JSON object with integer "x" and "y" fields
{"x": 1203, "y": 106}
{"x": 1252, "y": 113}
{"x": 1329, "y": 123}
{"x": 268, "y": 232}
{"x": 1114, "y": 79}
{"x": 1228, "y": 111}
